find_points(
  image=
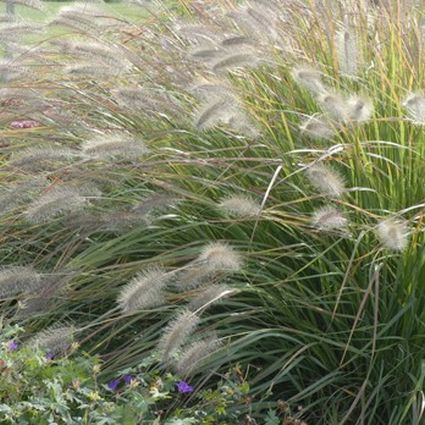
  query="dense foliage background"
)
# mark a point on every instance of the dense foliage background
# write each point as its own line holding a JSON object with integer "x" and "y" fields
{"x": 221, "y": 184}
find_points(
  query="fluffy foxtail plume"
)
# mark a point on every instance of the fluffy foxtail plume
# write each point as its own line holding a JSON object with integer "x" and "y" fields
{"x": 20, "y": 193}
{"x": 235, "y": 60}
{"x": 237, "y": 40}
{"x": 348, "y": 51}
{"x": 360, "y": 109}
{"x": 176, "y": 334}
{"x": 207, "y": 90}
{"x": 55, "y": 340}
{"x": 38, "y": 158}
{"x": 215, "y": 259}
{"x": 243, "y": 125}
{"x": 198, "y": 33}
{"x": 9, "y": 32}
{"x": 149, "y": 101}
{"x": 107, "y": 54}
{"x": 146, "y": 290}
{"x": 94, "y": 69}
{"x": 327, "y": 181}
{"x": 58, "y": 200}
{"x": 354, "y": 109}
{"x": 317, "y": 128}
{"x": 328, "y": 219}
{"x": 217, "y": 111}
{"x": 16, "y": 280}
{"x": 220, "y": 257}
{"x": 114, "y": 146}
{"x": 206, "y": 53}
{"x": 415, "y": 106}
{"x": 393, "y": 234}
{"x": 252, "y": 21}
{"x": 209, "y": 296}
{"x": 193, "y": 357}
{"x": 240, "y": 206}
{"x": 309, "y": 79}
{"x": 34, "y": 4}
{"x": 42, "y": 301}
{"x": 80, "y": 17}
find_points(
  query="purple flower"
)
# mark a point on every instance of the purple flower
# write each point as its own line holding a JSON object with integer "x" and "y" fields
{"x": 113, "y": 385}
{"x": 50, "y": 355}
{"x": 12, "y": 345}
{"x": 128, "y": 379}
{"x": 183, "y": 387}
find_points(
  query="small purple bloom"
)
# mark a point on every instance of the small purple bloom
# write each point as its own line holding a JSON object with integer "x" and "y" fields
{"x": 50, "y": 355}
{"x": 128, "y": 378}
{"x": 113, "y": 385}
{"x": 12, "y": 345}
{"x": 183, "y": 387}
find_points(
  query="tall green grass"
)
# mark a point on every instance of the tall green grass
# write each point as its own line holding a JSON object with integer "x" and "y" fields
{"x": 330, "y": 321}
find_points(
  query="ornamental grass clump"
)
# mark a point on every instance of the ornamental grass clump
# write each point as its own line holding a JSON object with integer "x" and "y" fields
{"x": 289, "y": 133}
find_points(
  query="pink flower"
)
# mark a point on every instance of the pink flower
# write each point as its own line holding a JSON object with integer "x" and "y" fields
{"x": 24, "y": 124}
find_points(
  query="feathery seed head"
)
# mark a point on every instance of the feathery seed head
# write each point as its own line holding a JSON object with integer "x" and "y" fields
{"x": 79, "y": 16}
{"x": 354, "y": 109}
{"x": 348, "y": 51}
{"x": 146, "y": 290}
{"x": 317, "y": 128}
{"x": 359, "y": 109}
{"x": 55, "y": 340}
{"x": 206, "y": 53}
{"x": 218, "y": 111}
{"x": 94, "y": 69}
{"x": 393, "y": 234}
{"x": 252, "y": 21}
{"x": 114, "y": 146}
{"x": 59, "y": 200}
{"x": 327, "y": 181}
{"x": 192, "y": 358}
{"x": 415, "y": 106}
{"x": 215, "y": 259}
{"x": 238, "y": 40}
{"x": 19, "y": 193}
{"x": 34, "y": 4}
{"x": 37, "y": 158}
{"x": 42, "y": 300}
{"x": 220, "y": 257}
{"x": 206, "y": 91}
{"x": 241, "y": 206}
{"x": 328, "y": 219}
{"x": 309, "y": 79}
{"x": 150, "y": 101}
{"x": 176, "y": 334}
{"x": 235, "y": 60}
{"x": 17, "y": 279}
{"x": 335, "y": 106}
{"x": 90, "y": 49}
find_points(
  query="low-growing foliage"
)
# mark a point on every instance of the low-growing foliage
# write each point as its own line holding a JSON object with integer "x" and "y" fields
{"x": 37, "y": 388}
{"x": 241, "y": 184}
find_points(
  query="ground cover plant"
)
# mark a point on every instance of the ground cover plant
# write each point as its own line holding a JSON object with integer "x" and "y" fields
{"x": 227, "y": 183}
{"x": 39, "y": 386}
